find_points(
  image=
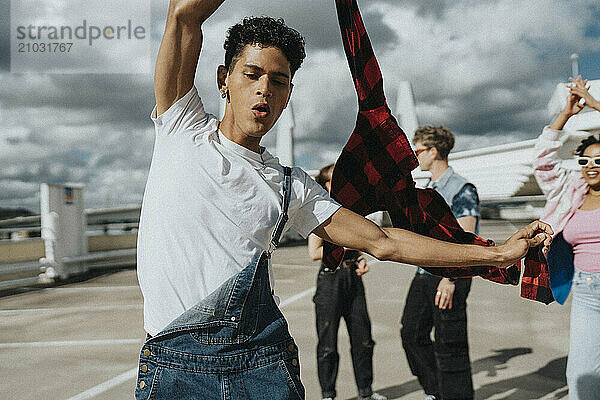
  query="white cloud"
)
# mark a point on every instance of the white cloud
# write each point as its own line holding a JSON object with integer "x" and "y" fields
{"x": 322, "y": 89}
{"x": 485, "y": 69}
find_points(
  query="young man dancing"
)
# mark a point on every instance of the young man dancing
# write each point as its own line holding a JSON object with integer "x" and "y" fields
{"x": 215, "y": 205}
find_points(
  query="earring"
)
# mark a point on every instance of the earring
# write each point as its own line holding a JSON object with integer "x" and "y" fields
{"x": 223, "y": 94}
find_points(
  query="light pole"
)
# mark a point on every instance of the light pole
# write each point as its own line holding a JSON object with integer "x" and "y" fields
{"x": 575, "y": 65}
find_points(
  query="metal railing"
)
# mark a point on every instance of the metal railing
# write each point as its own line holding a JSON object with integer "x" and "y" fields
{"x": 47, "y": 271}
{"x": 19, "y": 269}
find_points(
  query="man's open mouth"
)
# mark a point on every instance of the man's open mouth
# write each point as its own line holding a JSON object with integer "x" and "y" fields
{"x": 261, "y": 110}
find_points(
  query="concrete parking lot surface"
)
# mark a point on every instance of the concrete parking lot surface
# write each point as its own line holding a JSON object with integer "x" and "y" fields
{"x": 81, "y": 341}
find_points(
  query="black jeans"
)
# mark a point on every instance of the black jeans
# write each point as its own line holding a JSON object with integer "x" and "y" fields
{"x": 442, "y": 367}
{"x": 342, "y": 294}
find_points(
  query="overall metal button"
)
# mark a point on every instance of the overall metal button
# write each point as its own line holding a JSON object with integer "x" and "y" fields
{"x": 294, "y": 362}
{"x": 144, "y": 368}
{"x": 142, "y": 384}
{"x": 233, "y": 318}
{"x": 146, "y": 352}
{"x": 291, "y": 347}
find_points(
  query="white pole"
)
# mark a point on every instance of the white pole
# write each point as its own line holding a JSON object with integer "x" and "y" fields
{"x": 575, "y": 65}
{"x": 406, "y": 111}
{"x": 285, "y": 136}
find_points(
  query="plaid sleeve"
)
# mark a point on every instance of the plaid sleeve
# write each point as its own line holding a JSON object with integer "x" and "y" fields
{"x": 373, "y": 171}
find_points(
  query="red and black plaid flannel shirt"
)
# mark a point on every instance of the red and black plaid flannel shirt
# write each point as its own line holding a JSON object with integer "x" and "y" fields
{"x": 373, "y": 173}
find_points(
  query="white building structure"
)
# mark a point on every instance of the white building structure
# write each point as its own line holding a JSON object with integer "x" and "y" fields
{"x": 63, "y": 226}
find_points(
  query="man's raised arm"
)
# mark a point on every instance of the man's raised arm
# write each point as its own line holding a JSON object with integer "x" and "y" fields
{"x": 180, "y": 49}
{"x": 348, "y": 229}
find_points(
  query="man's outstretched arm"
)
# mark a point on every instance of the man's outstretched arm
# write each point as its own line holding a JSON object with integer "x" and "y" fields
{"x": 349, "y": 229}
{"x": 179, "y": 50}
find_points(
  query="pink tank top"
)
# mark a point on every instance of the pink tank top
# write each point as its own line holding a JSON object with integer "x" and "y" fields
{"x": 583, "y": 233}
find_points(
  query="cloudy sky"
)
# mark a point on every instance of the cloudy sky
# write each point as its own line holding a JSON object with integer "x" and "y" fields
{"x": 486, "y": 69}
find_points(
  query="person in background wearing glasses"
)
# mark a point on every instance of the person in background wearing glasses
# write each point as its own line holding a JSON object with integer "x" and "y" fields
{"x": 443, "y": 367}
{"x": 341, "y": 293}
{"x": 573, "y": 210}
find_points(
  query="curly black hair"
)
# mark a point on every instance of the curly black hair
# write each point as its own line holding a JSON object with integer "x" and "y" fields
{"x": 584, "y": 145}
{"x": 265, "y": 31}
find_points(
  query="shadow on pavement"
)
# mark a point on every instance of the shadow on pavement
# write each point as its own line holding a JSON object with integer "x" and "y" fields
{"x": 540, "y": 383}
{"x": 544, "y": 381}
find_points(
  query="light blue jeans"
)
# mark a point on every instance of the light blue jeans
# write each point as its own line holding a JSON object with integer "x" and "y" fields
{"x": 583, "y": 367}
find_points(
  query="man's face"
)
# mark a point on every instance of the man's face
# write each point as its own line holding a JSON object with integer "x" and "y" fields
{"x": 259, "y": 88}
{"x": 425, "y": 155}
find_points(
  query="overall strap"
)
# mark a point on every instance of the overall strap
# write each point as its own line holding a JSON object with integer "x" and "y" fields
{"x": 283, "y": 217}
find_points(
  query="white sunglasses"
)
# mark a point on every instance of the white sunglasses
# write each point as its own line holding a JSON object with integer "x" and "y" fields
{"x": 585, "y": 161}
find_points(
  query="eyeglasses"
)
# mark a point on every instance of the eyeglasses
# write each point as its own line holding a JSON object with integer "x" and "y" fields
{"x": 419, "y": 151}
{"x": 585, "y": 161}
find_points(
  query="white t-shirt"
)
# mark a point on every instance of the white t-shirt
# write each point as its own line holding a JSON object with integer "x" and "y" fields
{"x": 209, "y": 207}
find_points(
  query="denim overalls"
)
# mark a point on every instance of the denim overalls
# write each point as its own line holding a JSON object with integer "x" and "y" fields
{"x": 234, "y": 344}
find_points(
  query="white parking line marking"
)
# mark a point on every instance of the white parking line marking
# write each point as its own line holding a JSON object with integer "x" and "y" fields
{"x": 285, "y": 280}
{"x": 92, "y": 288}
{"x": 72, "y": 309}
{"x": 503, "y": 395}
{"x": 104, "y": 386}
{"x": 65, "y": 343}
{"x": 297, "y": 296}
{"x": 296, "y": 266}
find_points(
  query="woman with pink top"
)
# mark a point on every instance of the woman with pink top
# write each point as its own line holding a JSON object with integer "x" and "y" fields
{"x": 573, "y": 211}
